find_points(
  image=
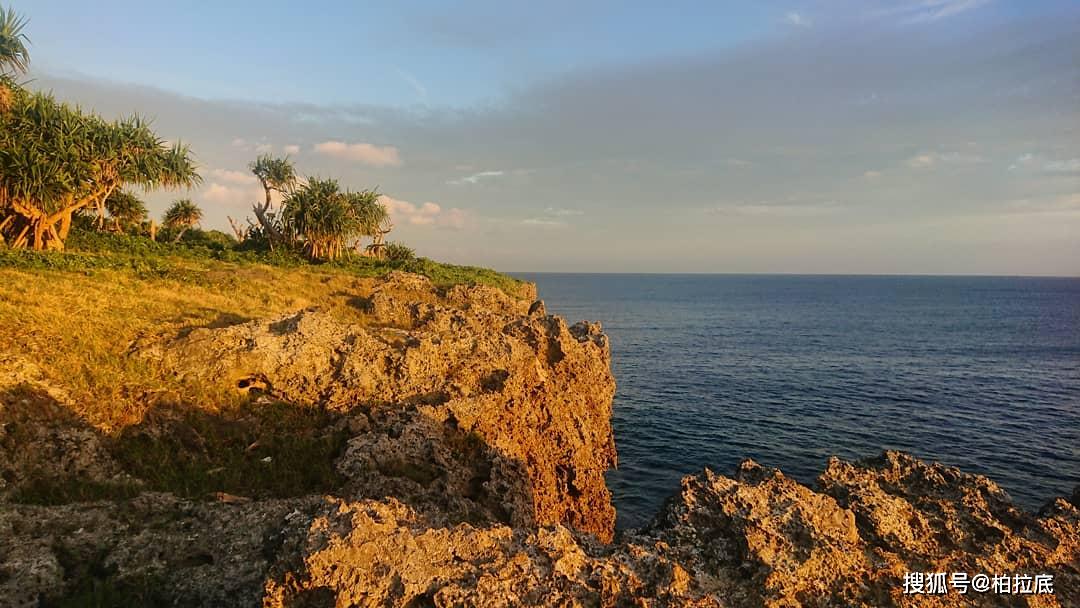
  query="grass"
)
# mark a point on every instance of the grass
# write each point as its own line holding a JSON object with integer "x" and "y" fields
{"x": 90, "y": 251}
{"x": 74, "y": 315}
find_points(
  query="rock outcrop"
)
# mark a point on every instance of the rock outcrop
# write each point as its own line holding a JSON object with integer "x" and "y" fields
{"x": 477, "y": 435}
{"x": 466, "y": 403}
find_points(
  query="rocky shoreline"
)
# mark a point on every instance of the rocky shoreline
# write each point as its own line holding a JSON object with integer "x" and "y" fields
{"x": 477, "y": 435}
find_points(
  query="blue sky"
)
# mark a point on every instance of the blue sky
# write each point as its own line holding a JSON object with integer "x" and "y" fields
{"x": 922, "y": 136}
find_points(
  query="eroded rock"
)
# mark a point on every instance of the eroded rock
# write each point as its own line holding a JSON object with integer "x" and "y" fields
{"x": 466, "y": 393}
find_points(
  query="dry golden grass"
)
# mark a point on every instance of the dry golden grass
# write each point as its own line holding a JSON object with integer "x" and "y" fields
{"x": 77, "y": 327}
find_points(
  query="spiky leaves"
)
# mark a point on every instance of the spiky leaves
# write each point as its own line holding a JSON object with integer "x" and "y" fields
{"x": 55, "y": 160}
{"x": 125, "y": 209}
{"x": 275, "y": 175}
{"x": 182, "y": 215}
{"x": 14, "y": 56}
{"x": 327, "y": 218}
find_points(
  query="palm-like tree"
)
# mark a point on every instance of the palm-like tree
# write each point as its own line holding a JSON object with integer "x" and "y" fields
{"x": 327, "y": 218}
{"x": 181, "y": 216}
{"x": 275, "y": 175}
{"x": 14, "y": 57}
{"x": 56, "y": 160}
{"x": 125, "y": 209}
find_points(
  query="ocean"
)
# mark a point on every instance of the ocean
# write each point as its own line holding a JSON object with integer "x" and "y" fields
{"x": 982, "y": 373}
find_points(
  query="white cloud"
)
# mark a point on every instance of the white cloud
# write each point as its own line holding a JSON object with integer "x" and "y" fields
{"x": 563, "y": 212}
{"x": 291, "y": 149}
{"x": 1031, "y": 161}
{"x": 921, "y": 161}
{"x": 797, "y": 19}
{"x": 926, "y": 11}
{"x": 475, "y": 178}
{"x": 1023, "y": 160}
{"x": 230, "y": 196}
{"x": 427, "y": 214}
{"x": 931, "y": 159}
{"x": 540, "y": 221}
{"x": 417, "y": 86}
{"x": 264, "y": 148}
{"x": 872, "y": 174}
{"x": 368, "y": 154}
{"x": 233, "y": 177}
{"x": 239, "y": 142}
{"x": 772, "y": 209}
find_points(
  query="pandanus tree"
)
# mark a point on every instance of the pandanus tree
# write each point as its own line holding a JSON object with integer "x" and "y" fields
{"x": 326, "y": 218}
{"x": 14, "y": 57}
{"x": 276, "y": 175}
{"x": 55, "y": 160}
{"x": 125, "y": 209}
{"x": 181, "y": 216}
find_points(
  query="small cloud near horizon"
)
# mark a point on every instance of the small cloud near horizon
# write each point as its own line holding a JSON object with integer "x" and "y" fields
{"x": 426, "y": 214}
{"x": 365, "y": 153}
{"x": 475, "y": 178}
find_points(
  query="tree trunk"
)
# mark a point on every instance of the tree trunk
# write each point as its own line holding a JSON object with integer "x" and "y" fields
{"x": 65, "y": 226}
{"x": 272, "y": 233}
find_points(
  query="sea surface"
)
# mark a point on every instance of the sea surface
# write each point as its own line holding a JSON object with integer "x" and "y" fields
{"x": 982, "y": 373}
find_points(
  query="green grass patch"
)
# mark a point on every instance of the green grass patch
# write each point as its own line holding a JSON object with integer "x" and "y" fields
{"x": 52, "y": 491}
{"x": 278, "y": 450}
{"x": 197, "y": 253}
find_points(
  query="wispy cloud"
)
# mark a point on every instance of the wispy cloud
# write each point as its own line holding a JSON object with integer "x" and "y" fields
{"x": 927, "y": 11}
{"x": 541, "y": 221}
{"x": 1033, "y": 162}
{"x": 1071, "y": 165}
{"x": 871, "y": 174}
{"x": 368, "y": 154}
{"x": 229, "y": 196}
{"x": 291, "y": 149}
{"x": 788, "y": 208}
{"x": 553, "y": 217}
{"x": 797, "y": 19}
{"x": 475, "y": 178}
{"x": 232, "y": 177}
{"x": 417, "y": 86}
{"x": 927, "y": 160}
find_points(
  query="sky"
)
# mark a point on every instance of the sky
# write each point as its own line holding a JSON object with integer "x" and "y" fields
{"x": 809, "y": 136}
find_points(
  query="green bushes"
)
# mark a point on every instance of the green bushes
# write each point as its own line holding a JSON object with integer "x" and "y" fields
{"x": 396, "y": 252}
{"x": 90, "y": 250}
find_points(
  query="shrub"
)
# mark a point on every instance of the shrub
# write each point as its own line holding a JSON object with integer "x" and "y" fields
{"x": 396, "y": 252}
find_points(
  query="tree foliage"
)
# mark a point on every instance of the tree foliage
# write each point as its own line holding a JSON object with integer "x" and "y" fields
{"x": 181, "y": 216}
{"x": 55, "y": 159}
{"x": 14, "y": 56}
{"x": 275, "y": 175}
{"x": 326, "y": 218}
{"x": 125, "y": 209}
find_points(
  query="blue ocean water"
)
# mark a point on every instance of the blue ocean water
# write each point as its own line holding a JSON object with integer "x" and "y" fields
{"x": 982, "y": 373}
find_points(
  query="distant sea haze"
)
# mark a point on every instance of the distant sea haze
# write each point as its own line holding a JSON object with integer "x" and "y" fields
{"x": 982, "y": 373}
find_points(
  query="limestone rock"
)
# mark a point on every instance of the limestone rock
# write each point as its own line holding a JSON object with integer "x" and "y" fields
{"x": 467, "y": 396}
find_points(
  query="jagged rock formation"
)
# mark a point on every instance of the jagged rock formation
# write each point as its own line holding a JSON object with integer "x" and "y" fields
{"x": 478, "y": 434}
{"x": 465, "y": 402}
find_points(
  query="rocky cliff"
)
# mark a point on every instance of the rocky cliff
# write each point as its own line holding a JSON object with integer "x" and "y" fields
{"x": 476, "y": 435}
